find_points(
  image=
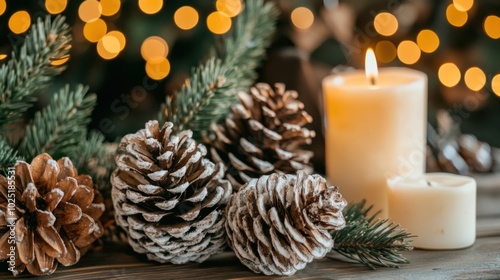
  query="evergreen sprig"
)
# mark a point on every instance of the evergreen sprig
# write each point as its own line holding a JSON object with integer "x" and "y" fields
{"x": 29, "y": 69}
{"x": 61, "y": 125}
{"x": 212, "y": 88}
{"x": 8, "y": 156}
{"x": 374, "y": 243}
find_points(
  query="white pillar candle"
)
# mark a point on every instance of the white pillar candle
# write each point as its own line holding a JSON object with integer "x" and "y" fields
{"x": 375, "y": 129}
{"x": 439, "y": 208}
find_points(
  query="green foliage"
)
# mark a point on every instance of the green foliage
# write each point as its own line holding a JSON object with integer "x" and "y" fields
{"x": 29, "y": 69}
{"x": 212, "y": 89}
{"x": 8, "y": 156}
{"x": 371, "y": 242}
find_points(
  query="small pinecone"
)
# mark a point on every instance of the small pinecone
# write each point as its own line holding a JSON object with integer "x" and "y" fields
{"x": 56, "y": 214}
{"x": 262, "y": 135}
{"x": 278, "y": 223}
{"x": 168, "y": 197}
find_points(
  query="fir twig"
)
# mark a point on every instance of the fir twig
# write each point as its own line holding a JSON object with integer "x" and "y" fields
{"x": 29, "y": 69}
{"x": 371, "y": 242}
{"x": 8, "y": 156}
{"x": 61, "y": 125}
{"x": 211, "y": 91}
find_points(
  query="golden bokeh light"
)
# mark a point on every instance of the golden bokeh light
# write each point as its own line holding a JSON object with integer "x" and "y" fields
{"x": 89, "y": 10}
{"x": 449, "y": 74}
{"x": 385, "y": 51}
{"x": 150, "y": 6}
{"x": 385, "y": 24}
{"x": 108, "y": 47}
{"x": 230, "y": 8}
{"x": 157, "y": 69}
{"x": 19, "y": 22}
{"x": 408, "y": 52}
{"x": 495, "y": 84}
{"x": 3, "y": 56}
{"x": 463, "y": 5}
{"x": 95, "y": 30}
{"x": 302, "y": 18}
{"x": 218, "y": 23}
{"x": 154, "y": 48}
{"x": 186, "y": 17}
{"x": 59, "y": 62}
{"x": 492, "y": 26}
{"x": 428, "y": 41}
{"x": 474, "y": 78}
{"x": 121, "y": 38}
{"x": 3, "y": 6}
{"x": 110, "y": 7}
{"x": 455, "y": 17}
{"x": 55, "y": 6}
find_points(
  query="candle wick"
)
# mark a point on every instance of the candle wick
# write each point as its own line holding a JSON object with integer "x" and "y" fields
{"x": 372, "y": 80}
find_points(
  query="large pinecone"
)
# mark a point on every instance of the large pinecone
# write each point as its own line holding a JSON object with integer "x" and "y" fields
{"x": 278, "y": 223}
{"x": 168, "y": 197}
{"x": 262, "y": 135}
{"x": 56, "y": 214}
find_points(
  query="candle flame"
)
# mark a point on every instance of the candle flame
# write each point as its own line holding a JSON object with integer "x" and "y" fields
{"x": 371, "y": 68}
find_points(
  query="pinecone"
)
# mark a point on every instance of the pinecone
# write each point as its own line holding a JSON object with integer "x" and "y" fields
{"x": 262, "y": 135}
{"x": 168, "y": 197}
{"x": 56, "y": 215}
{"x": 278, "y": 223}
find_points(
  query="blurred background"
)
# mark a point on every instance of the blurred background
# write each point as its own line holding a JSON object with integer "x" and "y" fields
{"x": 455, "y": 42}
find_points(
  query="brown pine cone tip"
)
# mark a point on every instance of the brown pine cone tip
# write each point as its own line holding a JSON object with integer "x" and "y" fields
{"x": 262, "y": 135}
{"x": 168, "y": 197}
{"x": 56, "y": 215}
{"x": 278, "y": 223}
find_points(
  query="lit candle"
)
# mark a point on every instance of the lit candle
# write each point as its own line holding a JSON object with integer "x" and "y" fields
{"x": 439, "y": 208}
{"x": 375, "y": 129}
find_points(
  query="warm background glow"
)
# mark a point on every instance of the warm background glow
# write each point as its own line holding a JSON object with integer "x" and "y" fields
{"x": 154, "y": 48}
{"x": 455, "y": 17}
{"x": 408, "y": 52}
{"x": 495, "y": 84}
{"x": 428, "y": 41}
{"x": 158, "y": 69}
{"x": 150, "y": 6}
{"x": 90, "y": 10}
{"x": 230, "y": 8}
{"x": 386, "y": 24}
{"x": 385, "y": 51}
{"x": 95, "y": 30}
{"x": 492, "y": 26}
{"x": 218, "y": 23}
{"x": 449, "y": 74}
{"x": 110, "y": 7}
{"x": 3, "y": 6}
{"x": 55, "y": 6}
{"x": 19, "y": 22}
{"x": 302, "y": 18}
{"x": 186, "y": 17}
{"x": 463, "y": 5}
{"x": 474, "y": 78}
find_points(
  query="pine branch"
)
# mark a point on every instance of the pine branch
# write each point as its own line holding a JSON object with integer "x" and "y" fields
{"x": 211, "y": 91}
{"x": 8, "y": 156}
{"x": 29, "y": 69}
{"x": 369, "y": 242}
{"x": 61, "y": 125}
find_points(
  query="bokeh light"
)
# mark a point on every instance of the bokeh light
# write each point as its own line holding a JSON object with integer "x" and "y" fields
{"x": 385, "y": 24}
{"x": 492, "y": 26}
{"x": 3, "y": 6}
{"x": 154, "y": 48}
{"x": 95, "y": 30}
{"x": 302, "y": 18}
{"x": 55, "y": 6}
{"x": 218, "y": 23}
{"x": 385, "y": 51}
{"x": 121, "y": 38}
{"x": 408, "y": 52}
{"x": 230, "y": 8}
{"x": 89, "y": 10}
{"x": 61, "y": 61}
{"x": 463, "y": 5}
{"x": 474, "y": 78}
{"x": 150, "y": 6}
{"x": 110, "y": 7}
{"x": 449, "y": 74}
{"x": 455, "y": 17}
{"x": 157, "y": 69}
{"x": 108, "y": 47}
{"x": 427, "y": 40}
{"x": 186, "y": 17}
{"x": 3, "y": 56}
{"x": 495, "y": 84}
{"x": 19, "y": 22}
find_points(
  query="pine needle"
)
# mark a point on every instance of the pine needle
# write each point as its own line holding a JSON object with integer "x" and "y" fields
{"x": 60, "y": 126}
{"x": 8, "y": 156}
{"x": 29, "y": 70}
{"x": 374, "y": 243}
{"x": 212, "y": 88}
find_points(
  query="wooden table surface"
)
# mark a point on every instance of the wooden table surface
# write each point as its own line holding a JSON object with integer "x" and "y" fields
{"x": 480, "y": 261}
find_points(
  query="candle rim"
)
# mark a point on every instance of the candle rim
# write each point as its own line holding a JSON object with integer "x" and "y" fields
{"x": 411, "y": 73}
{"x": 461, "y": 181}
